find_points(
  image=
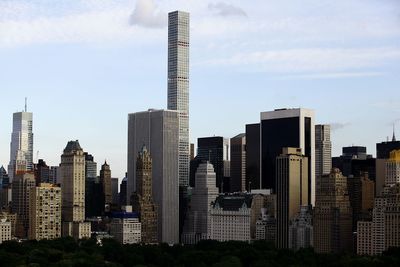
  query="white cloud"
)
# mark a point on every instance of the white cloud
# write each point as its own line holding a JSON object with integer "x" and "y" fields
{"x": 147, "y": 14}
{"x": 338, "y": 125}
{"x": 224, "y": 9}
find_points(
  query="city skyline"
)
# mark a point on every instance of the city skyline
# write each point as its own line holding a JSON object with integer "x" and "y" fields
{"x": 93, "y": 83}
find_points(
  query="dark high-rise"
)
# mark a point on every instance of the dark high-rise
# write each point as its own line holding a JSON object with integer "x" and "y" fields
{"x": 238, "y": 163}
{"x": 216, "y": 150}
{"x": 287, "y": 128}
{"x": 253, "y": 156}
{"x": 105, "y": 180}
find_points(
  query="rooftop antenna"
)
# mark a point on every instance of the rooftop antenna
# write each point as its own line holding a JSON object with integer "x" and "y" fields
{"x": 26, "y": 101}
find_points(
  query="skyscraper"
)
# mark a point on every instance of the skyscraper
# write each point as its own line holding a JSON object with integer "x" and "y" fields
{"x": 323, "y": 150}
{"x": 332, "y": 215}
{"x": 287, "y": 128}
{"x": 198, "y": 217}
{"x": 253, "y": 161}
{"x": 21, "y": 189}
{"x": 21, "y": 148}
{"x": 105, "y": 180}
{"x": 72, "y": 170}
{"x": 291, "y": 190}
{"x": 238, "y": 163}
{"x": 158, "y": 130}
{"x": 178, "y": 84}
{"x": 142, "y": 200}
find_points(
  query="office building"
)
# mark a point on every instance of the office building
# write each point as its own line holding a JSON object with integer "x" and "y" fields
{"x": 105, "y": 181}
{"x": 393, "y": 168}
{"x": 72, "y": 170}
{"x": 323, "y": 150}
{"x": 21, "y": 189}
{"x": 158, "y": 130}
{"x": 301, "y": 230}
{"x": 123, "y": 188}
{"x": 216, "y": 150}
{"x": 253, "y": 161}
{"x": 114, "y": 192}
{"x": 238, "y": 163}
{"x": 383, "y": 150}
{"x": 126, "y": 228}
{"x": 5, "y": 230}
{"x": 178, "y": 84}
{"x": 12, "y": 218}
{"x": 291, "y": 190}
{"x": 42, "y": 172}
{"x": 21, "y": 148}
{"x": 45, "y": 212}
{"x": 230, "y": 217}
{"x": 266, "y": 227}
{"x": 142, "y": 199}
{"x": 332, "y": 215}
{"x": 287, "y": 128}
{"x": 198, "y": 215}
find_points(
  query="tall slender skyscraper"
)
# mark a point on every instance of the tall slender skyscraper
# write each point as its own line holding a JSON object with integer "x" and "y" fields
{"x": 178, "y": 84}
{"x": 323, "y": 150}
{"x": 21, "y": 148}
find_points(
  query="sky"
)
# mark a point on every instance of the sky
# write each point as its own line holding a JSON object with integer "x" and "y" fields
{"x": 84, "y": 65}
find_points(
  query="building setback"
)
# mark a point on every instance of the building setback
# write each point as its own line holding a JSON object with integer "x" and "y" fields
{"x": 158, "y": 130}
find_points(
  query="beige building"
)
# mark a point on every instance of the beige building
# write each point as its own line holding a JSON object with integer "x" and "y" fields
{"x": 383, "y": 231}
{"x": 332, "y": 215}
{"x": 291, "y": 190}
{"x": 45, "y": 212}
{"x": 11, "y": 217}
{"x": 21, "y": 188}
{"x": 5, "y": 230}
{"x": 72, "y": 171}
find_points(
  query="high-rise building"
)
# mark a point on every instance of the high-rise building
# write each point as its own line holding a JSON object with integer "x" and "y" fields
{"x": 21, "y": 189}
{"x": 230, "y": 218}
{"x": 45, "y": 212}
{"x": 266, "y": 227}
{"x": 142, "y": 199}
{"x": 393, "y": 168}
{"x": 72, "y": 170}
{"x": 123, "y": 188}
{"x": 114, "y": 191}
{"x": 21, "y": 148}
{"x": 332, "y": 215}
{"x": 301, "y": 230}
{"x": 4, "y": 179}
{"x": 216, "y": 150}
{"x": 291, "y": 190}
{"x": 238, "y": 163}
{"x": 287, "y": 128}
{"x": 105, "y": 180}
{"x": 5, "y": 230}
{"x": 382, "y": 155}
{"x": 178, "y": 84}
{"x": 323, "y": 150}
{"x": 198, "y": 216}
{"x": 94, "y": 198}
{"x": 253, "y": 150}
{"x": 158, "y": 130}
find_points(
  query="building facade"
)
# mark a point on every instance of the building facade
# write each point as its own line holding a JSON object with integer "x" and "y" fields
{"x": 332, "y": 215}
{"x": 142, "y": 199}
{"x": 301, "y": 230}
{"x": 105, "y": 180}
{"x": 72, "y": 170}
{"x": 291, "y": 190}
{"x": 45, "y": 212}
{"x": 238, "y": 163}
{"x": 287, "y": 128}
{"x": 126, "y": 228}
{"x": 198, "y": 216}
{"x": 21, "y": 189}
{"x": 323, "y": 149}
{"x": 230, "y": 218}
{"x": 5, "y": 230}
{"x": 158, "y": 130}
{"x": 253, "y": 161}
{"x": 21, "y": 148}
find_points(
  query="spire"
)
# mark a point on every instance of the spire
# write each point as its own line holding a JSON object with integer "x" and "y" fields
{"x": 26, "y": 104}
{"x": 394, "y": 136}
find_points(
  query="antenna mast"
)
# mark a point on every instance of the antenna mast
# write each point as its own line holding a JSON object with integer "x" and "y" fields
{"x": 26, "y": 100}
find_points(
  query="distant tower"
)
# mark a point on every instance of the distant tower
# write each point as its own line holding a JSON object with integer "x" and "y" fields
{"x": 72, "y": 170}
{"x": 105, "y": 180}
{"x": 394, "y": 136}
{"x": 21, "y": 148}
{"x": 238, "y": 163}
{"x": 178, "y": 84}
{"x": 323, "y": 150}
{"x": 142, "y": 200}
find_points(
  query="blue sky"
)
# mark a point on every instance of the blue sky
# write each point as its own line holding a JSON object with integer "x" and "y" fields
{"x": 85, "y": 64}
